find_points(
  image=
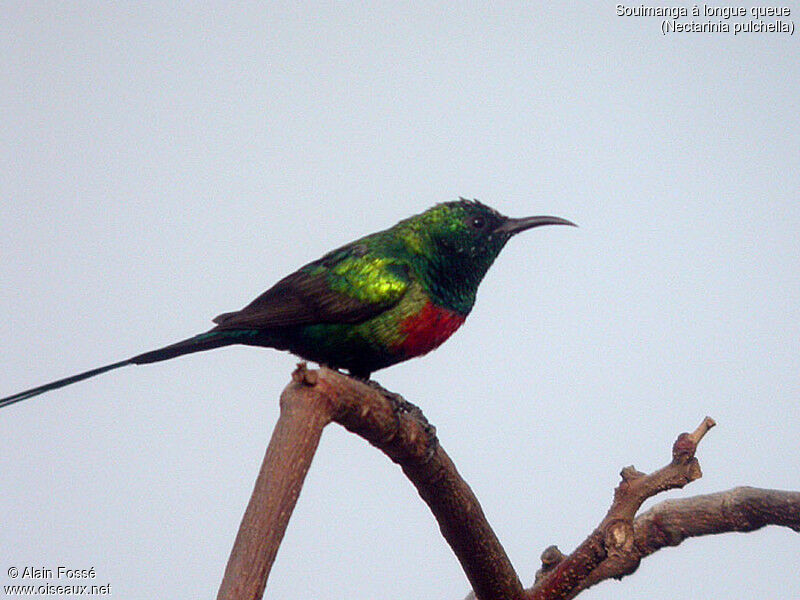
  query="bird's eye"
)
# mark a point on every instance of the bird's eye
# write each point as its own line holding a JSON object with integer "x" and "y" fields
{"x": 478, "y": 223}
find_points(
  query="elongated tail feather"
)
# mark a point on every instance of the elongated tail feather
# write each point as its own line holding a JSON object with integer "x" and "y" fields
{"x": 204, "y": 341}
{"x": 198, "y": 343}
{"x": 53, "y": 385}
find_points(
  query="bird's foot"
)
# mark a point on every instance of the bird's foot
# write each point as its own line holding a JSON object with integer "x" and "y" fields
{"x": 402, "y": 406}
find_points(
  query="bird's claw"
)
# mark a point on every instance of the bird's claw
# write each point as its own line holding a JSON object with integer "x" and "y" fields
{"x": 402, "y": 406}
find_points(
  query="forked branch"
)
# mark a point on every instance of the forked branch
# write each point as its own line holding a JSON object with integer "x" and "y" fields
{"x": 614, "y": 549}
{"x": 623, "y": 539}
{"x": 315, "y": 398}
{"x": 609, "y": 551}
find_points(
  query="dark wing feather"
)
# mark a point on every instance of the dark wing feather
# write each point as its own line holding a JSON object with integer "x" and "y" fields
{"x": 345, "y": 286}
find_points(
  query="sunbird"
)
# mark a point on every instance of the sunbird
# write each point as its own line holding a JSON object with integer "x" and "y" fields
{"x": 382, "y": 299}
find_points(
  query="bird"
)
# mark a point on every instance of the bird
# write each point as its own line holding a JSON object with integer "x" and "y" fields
{"x": 377, "y": 301}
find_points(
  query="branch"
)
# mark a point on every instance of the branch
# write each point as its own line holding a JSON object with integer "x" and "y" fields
{"x": 670, "y": 522}
{"x": 609, "y": 550}
{"x": 398, "y": 428}
{"x": 617, "y": 546}
{"x": 740, "y": 509}
{"x": 313, "y": 399}
{"x": 291, "y": 448}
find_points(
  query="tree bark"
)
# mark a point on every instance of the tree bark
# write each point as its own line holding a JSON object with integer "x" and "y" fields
{"x": 398, "y": 428}
{"x": 293, "y": 444}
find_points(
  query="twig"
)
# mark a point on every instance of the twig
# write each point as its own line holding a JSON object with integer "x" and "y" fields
{"x": 609, "y": 550}
{"x": 740, "y": 509}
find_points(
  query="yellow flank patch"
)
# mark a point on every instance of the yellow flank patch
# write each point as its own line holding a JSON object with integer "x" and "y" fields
{"x": 413, "y": 241}
{"x": 370, "y": 280}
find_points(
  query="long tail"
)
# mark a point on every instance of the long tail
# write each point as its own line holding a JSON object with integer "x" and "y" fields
{"x": 204, "y": 341}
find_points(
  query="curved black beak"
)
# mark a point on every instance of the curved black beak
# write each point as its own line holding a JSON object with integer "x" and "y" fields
{"x": 514, "y": 226}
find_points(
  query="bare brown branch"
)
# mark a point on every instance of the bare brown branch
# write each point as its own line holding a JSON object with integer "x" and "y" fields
{"x": 671, "y": 522}
{"x": 614, "y": 549}
{"x": 291, "y": 448}
{"x": 313, "y": 399}
{"x": 609, "y": 550}
{"x": 398, "y": 430}
{"x": 740, "y": 509}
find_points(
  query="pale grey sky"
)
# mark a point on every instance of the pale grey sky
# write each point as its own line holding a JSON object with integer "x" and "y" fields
{"x": 163, "y": 164}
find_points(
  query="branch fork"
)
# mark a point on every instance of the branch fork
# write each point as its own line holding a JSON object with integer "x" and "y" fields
{"x": 614, "y": 549}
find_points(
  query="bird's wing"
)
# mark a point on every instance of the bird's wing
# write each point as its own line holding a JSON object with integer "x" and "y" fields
{"x": 348, "y": 285}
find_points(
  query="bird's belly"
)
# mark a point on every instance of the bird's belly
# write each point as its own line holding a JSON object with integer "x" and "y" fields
{"x": 373, "y": 344}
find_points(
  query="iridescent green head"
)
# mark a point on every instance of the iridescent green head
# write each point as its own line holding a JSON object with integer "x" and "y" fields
{"x": 455, "y": 243}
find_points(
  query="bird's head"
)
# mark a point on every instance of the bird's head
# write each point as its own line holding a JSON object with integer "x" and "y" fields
{"x": 458, "y": 242}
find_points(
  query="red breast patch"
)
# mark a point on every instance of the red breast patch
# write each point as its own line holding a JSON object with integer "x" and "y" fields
{"x": 428, "y": 329}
